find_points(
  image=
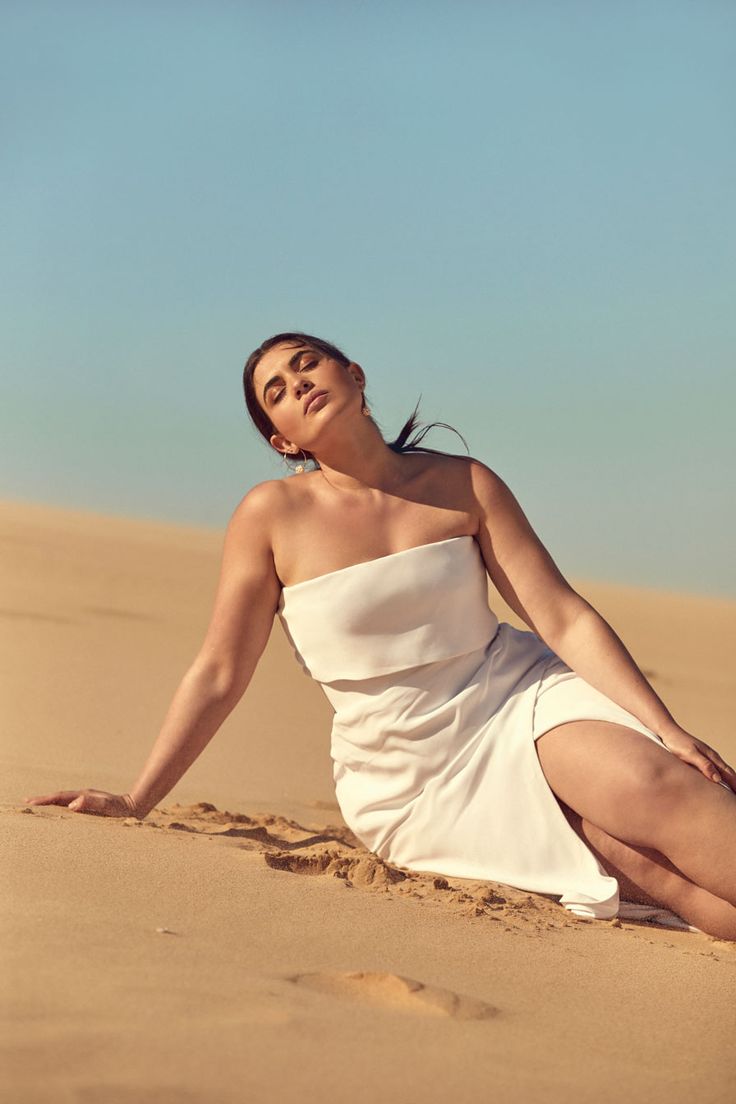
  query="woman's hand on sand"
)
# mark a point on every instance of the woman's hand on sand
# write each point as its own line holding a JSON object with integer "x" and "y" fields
{"x": 699, "y": 755}
{"x": 95, "y": 802}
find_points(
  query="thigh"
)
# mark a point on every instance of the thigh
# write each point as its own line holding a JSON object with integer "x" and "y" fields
{"x": 647, "y": 877}
{"x": 643, "y": 874}
{"x": 613, "y": 776}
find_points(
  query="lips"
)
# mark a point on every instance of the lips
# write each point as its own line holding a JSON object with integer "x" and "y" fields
{"x": 312, "y": 397}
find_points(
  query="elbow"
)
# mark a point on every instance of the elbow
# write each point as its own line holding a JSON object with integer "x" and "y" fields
{"x": 566, "y": 619}
{"x": 216, "y": 680}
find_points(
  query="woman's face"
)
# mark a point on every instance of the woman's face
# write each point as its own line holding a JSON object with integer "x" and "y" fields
{"x": 302, "y": 390}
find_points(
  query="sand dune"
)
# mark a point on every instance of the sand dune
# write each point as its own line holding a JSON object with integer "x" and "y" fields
{"x": 240, "y": 943}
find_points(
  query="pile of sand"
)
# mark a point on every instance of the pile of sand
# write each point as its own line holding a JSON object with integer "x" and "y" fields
{"x": 240, "y": 943}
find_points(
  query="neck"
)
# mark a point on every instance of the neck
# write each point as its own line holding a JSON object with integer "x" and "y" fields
{"x": 362, "y": 462}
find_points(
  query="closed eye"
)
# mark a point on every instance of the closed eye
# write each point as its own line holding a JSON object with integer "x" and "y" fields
{"x": 275, "y": 396}
{"x": 274, "y": 391}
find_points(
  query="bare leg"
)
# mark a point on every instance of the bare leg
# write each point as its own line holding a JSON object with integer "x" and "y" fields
{"x": 647, "y": 877}
{"x": 641, "y": 794}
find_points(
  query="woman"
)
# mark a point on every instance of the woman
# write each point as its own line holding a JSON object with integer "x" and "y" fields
{"x": 542, "y": 759}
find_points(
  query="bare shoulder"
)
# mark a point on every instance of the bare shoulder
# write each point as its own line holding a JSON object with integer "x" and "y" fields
{"x": 497, "y": 507}
{"x": 473, "y": 483}
{"x": 263, "y": 497}
{"x": 248, "y": 588}
{"x": 260, "y": 506}
{"x": 489, "y": 489}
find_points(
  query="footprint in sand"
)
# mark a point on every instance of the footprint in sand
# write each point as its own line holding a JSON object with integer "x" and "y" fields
{"x": 401, "y": 994}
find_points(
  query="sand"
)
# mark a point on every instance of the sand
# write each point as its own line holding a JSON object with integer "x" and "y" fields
{"x": 239, "y": 944}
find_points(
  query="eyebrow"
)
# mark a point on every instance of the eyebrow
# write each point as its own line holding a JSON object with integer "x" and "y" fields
{"x": 292, "y": 364}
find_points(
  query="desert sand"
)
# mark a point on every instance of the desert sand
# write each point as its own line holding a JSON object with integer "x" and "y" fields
{"x": 239, "y": 944}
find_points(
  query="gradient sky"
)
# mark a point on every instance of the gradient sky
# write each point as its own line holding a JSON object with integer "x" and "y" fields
{"x": 526, "y": 212}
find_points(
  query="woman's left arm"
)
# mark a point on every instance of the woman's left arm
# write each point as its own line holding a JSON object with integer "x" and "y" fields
{"x": 529, "y": 581}
{"x": 592, "y": 649}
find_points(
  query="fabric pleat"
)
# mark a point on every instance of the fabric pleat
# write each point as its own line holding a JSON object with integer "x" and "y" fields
{"x": 437, "y": 710}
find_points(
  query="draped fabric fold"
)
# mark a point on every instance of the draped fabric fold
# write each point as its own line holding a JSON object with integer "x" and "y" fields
{"x": 437, "y": 710}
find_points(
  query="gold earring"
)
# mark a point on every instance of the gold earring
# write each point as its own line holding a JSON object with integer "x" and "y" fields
{"x": 299, "y": 468}
{"x": 366, "y": 412}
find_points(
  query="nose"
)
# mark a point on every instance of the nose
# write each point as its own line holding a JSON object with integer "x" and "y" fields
{"x": 301, "y": 385}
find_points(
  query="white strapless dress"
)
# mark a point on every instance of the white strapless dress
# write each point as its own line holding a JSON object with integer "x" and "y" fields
{"x": 437, "y": 708}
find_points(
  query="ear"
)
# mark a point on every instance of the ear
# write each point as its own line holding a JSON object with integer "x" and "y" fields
{"x": 357, "y": 373}
{"x": 281, "y": 444}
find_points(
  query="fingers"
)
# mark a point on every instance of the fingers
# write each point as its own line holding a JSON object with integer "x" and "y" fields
{"x": 90, "y": 802}
{"x": 707, "y": 768}
{"x": 727, "y": 774}
{"x": 710, "y": 764}
{"x": 77, "y": 801}
{"x": 62, "y": 797}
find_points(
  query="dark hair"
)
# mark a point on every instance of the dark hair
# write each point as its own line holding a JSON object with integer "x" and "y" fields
{"x": 412, "y": 432}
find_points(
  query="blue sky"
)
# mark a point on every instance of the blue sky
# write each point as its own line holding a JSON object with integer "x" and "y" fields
{"x": 523, "y": 211}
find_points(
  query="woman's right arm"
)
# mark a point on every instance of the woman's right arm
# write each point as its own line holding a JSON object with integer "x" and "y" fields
{"x": 245, "y": 603}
